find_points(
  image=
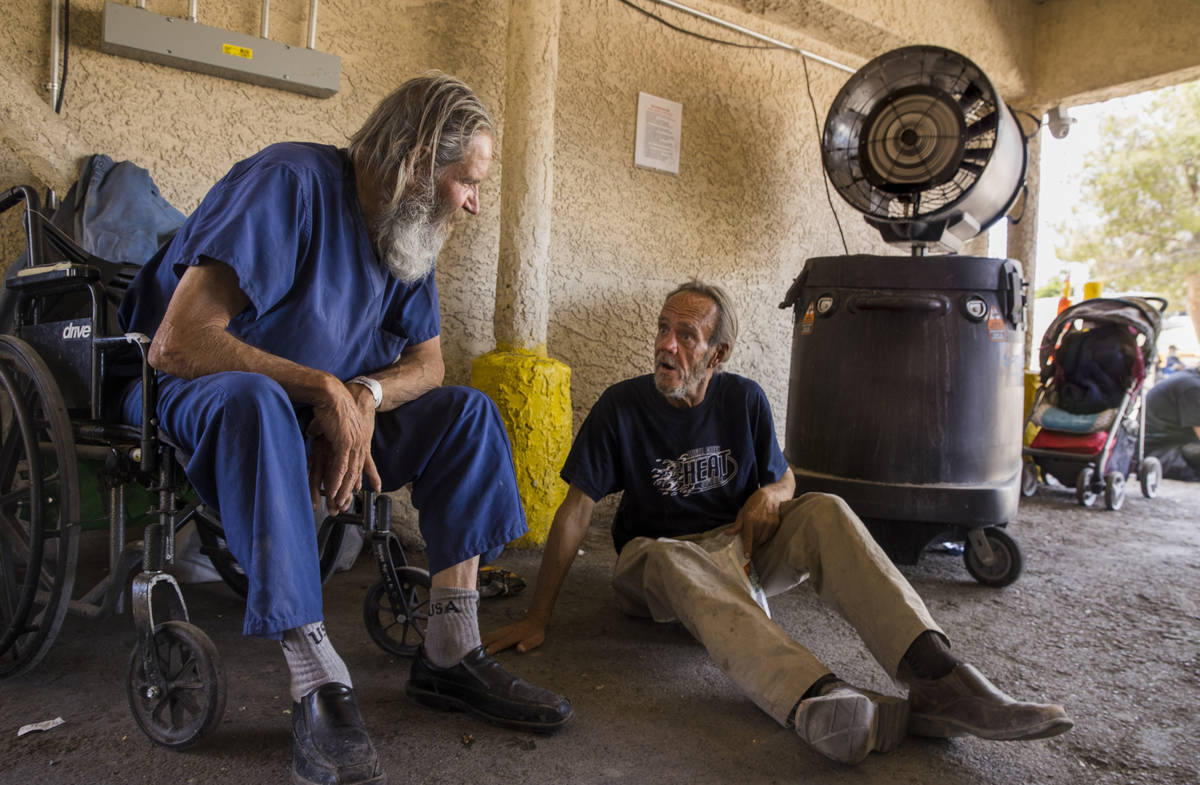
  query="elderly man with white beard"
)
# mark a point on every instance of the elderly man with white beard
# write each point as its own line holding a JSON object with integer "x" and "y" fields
{"x": 294, "y": 315}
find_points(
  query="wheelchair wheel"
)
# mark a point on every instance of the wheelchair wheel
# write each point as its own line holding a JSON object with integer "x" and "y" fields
{"x": 1006, "y": 559}
{"x": 212, "y": 540}
{"x": 39, "y": 508}
{"x": 399, "y": 627}
{"x": 189, "y": 700}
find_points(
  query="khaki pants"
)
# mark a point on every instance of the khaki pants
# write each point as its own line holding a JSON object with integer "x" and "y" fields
{"x": 819, "y": 537}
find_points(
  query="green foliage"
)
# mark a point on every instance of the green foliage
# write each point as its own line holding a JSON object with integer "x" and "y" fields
{"x": 1051, "y": 288}
{"x": 1140, "y": 222}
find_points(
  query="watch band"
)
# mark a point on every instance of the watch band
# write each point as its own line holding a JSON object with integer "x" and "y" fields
{"x": 375, "y": 387}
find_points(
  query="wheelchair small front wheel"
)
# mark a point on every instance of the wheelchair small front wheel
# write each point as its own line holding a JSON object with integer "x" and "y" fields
{"x": 186, "y": 700}
{"x": 397, "y": 625}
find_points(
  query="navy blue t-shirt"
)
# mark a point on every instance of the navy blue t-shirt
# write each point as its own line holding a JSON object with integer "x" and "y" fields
{"x": 682, "y": 471}
{"x": 289, "y": 223}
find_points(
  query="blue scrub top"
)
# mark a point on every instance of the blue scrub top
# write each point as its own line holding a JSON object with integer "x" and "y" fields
{"x": 288, "y": 221}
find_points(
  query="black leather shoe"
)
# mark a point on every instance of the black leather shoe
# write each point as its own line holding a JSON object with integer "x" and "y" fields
{"x": 330, "y": 746}
{"x": 482, "y": 686}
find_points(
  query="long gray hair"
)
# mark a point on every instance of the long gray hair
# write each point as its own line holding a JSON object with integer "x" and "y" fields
{"x": 427, "y": 122}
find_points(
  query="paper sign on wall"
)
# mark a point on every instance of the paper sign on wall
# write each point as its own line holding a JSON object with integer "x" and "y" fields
{"x": 658, "y": 127}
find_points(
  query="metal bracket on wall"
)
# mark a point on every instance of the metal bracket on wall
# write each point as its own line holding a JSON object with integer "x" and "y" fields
{"x": 139, "y": 34}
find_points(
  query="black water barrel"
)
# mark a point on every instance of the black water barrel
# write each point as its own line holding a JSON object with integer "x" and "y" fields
{"x": 907, "y": 386}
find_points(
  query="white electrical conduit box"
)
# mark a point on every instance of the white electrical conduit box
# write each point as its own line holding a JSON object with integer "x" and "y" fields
{"x": 141, "y": 35}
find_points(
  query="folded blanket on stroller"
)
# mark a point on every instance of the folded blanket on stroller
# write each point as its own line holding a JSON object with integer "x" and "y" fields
{"x": 1054, "y": 418}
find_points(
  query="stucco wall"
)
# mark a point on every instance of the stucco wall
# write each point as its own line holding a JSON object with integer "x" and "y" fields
{"x": 187, "y": 129}
{"x": 746, "y": 209}
{"x": 1092, "y": 50}
{"x": 998, "y": 35}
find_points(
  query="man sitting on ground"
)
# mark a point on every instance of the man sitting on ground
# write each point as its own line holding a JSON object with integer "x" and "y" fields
{"x": 695, "y": 453}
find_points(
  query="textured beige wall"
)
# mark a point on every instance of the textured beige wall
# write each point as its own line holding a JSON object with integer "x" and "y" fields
{"x": 746, "y": 209}
{"x": 996, "y": 34}
{"x": 188, "y": 129}
{"x": 1092, "y": 50}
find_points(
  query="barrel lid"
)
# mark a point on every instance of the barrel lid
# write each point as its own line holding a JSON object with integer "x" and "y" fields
{"x": 865, "y": 271}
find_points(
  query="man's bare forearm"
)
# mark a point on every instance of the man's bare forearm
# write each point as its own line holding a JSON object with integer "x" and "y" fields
{"x": 209, "y": 349}
{"x": 418, "y": 371}
{"x": 566, "y": 533}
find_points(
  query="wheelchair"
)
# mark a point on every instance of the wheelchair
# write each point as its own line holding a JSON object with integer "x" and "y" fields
{"x": 63, "y": 370}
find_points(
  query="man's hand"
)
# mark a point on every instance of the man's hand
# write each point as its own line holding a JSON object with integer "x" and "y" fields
{"x": 343, "y": 425}
{"x": 757, "y": 520}
{"x": 526, "y": 635}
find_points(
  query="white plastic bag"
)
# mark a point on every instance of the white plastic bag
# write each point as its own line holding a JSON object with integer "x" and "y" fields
{"x": 732, "y": 557}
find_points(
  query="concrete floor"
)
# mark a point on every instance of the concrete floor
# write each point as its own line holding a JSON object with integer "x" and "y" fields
{"x": 1105, "y": 619}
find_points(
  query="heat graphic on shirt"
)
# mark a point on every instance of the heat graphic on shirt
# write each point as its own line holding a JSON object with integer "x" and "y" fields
{"x": 696, "y": 471}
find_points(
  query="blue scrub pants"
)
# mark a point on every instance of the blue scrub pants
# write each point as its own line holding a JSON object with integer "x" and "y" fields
{"x": 248, "y": 461}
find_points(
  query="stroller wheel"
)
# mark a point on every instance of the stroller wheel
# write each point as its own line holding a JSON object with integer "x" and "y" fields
{"x": 1084, "y": 491}
{"x": 1150, "y": 475}
{"x": 1114, "y": 490}
{"x": 1029, "y": 479}
{"x": 1006, "y": 561}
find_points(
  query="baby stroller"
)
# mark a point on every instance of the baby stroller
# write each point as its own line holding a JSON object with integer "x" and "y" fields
{"x": 1089, "y": 409}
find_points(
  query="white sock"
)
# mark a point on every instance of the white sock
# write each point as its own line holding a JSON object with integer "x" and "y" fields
{"x": 453, "y": 625}
{"x": 312, "y": 659}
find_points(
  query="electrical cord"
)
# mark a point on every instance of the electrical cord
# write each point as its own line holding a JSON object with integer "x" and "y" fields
{"x": 824, "y": 175}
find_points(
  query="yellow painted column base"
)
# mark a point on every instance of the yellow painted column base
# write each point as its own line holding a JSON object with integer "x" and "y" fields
{"x": 533, "y": 394}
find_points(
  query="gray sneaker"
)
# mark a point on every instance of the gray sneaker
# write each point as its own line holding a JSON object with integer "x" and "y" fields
{"x": 847, "y": 724}
{"x": 964, "y": 702}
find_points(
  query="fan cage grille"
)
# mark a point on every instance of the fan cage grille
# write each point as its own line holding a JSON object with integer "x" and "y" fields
{"x": 843, "y": 149}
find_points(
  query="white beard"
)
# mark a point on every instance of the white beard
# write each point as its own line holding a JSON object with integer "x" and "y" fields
{"x": 409, "y": 235}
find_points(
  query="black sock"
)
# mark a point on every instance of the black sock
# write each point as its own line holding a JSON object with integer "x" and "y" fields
{"x": 929, "y": 656}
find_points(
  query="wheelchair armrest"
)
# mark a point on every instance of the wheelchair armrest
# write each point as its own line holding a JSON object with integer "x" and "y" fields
{"x": 149, "y": 419}
{"x": 53, "y": 278}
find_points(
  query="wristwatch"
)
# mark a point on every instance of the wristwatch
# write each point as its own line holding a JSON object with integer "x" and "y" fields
{"x": 375, "y": 387}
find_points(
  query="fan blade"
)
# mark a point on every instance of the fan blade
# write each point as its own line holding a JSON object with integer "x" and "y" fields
{"x": 970, "y": 96}
{"x": 982, "y": 126}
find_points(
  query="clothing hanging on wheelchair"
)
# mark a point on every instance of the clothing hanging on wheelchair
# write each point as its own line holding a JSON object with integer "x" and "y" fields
{"x": 115, "y": 211}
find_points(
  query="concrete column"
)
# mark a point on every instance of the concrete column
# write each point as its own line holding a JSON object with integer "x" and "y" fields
{"x": 1022, "y": 246}
{"x": 1022, "y": 237}
{"x": 531, "y": 390}
{"x": 522, "y": 277}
